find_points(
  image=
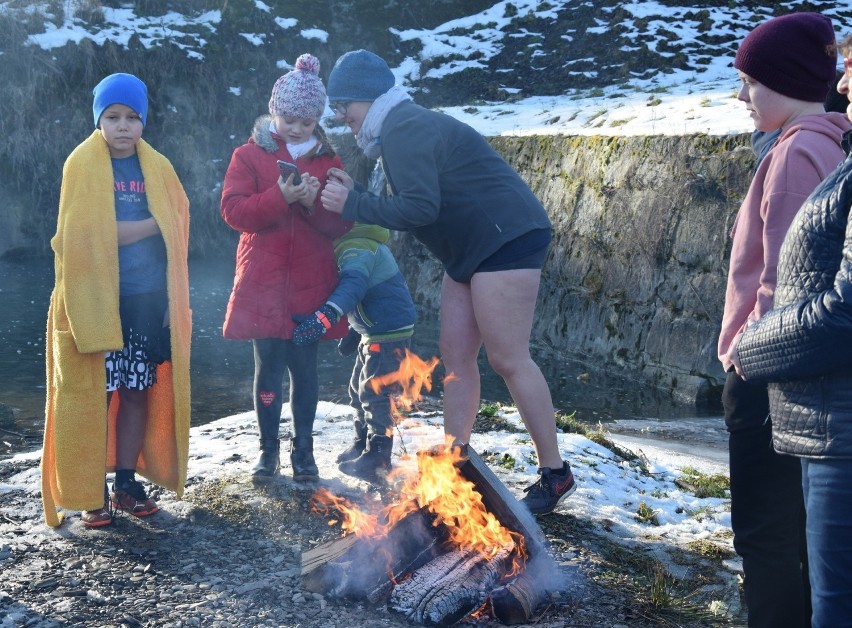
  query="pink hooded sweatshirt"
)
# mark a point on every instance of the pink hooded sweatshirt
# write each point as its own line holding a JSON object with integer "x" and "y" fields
{"x": 801, "y": 158}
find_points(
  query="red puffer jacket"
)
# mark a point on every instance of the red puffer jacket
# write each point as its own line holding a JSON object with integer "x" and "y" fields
{"x": 285, "y": 259}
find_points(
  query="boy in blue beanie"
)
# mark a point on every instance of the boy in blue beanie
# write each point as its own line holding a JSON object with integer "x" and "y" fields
{"x": 124, "y": 89}
{"x": 119, "y": 310}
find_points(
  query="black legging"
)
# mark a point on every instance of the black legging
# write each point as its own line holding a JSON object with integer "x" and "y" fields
{"x": 272, "y": 357}
{"x": 767, "y": 512}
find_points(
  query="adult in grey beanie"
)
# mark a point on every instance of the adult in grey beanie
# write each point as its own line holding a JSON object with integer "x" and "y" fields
{"x": 359, "y": 75}
{"x": 461, "y": 199}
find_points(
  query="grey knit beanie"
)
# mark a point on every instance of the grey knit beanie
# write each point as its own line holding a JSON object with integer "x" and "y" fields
{"x": 359, "y": 75}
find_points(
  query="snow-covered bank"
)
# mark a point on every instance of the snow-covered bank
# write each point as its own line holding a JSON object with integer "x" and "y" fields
{"x": 609, "y": 487}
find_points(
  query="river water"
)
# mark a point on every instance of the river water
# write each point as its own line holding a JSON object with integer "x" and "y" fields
{"x": 222, "y": 370}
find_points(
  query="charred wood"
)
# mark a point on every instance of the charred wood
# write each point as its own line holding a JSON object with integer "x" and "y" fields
{"x": 402, "y": 568}
{"x": 517, "y": 601}
{"x": 450, "y": 587}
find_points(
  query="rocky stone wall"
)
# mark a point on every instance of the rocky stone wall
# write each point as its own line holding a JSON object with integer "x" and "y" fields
{"x": 634, "y": 282}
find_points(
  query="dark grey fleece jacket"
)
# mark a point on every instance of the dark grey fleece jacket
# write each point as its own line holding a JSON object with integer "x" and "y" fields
{"x": 449, "y": 188}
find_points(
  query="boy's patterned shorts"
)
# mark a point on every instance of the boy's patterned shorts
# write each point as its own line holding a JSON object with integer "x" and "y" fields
{"x": 130, "y": 367}
{"x": 146, "y": 342}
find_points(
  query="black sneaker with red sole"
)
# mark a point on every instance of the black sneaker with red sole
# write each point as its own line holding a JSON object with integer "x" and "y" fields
{"x": 552, "y": 487}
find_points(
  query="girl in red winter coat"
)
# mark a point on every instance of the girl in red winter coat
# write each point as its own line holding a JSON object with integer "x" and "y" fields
{"x": 285, "y": 259}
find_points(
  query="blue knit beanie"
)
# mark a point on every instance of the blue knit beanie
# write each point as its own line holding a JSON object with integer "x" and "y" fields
{"x": 122, "y": 89}
{"x": 792, "y": 54}
{"x": 359, "y": 75}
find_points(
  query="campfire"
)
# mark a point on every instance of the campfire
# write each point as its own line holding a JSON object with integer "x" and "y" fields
{"x": 453, "y": 542}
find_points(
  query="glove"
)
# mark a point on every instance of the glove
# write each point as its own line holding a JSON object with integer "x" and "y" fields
{"x": 349, "y": 344}
{"x": 313, "y": 327}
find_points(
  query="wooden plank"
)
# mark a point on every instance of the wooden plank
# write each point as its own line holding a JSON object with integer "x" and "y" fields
{"x": 501, "y": 503}
{"x": 326, "y": 553}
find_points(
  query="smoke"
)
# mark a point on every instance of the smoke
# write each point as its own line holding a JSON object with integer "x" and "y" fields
{"x": 548, "y": 576}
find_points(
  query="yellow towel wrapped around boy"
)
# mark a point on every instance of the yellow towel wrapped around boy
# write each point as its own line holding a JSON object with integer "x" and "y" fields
{"x": 83, "y": 324}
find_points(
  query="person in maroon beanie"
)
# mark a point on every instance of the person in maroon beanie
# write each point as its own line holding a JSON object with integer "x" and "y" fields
{"x": 803, "y": 348}
{"x": 786, "y": 66}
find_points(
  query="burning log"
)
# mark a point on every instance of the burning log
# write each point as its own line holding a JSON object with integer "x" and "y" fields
{"x": 450, "y": 587}
{"x": 453, "y": 536}
{"x": 417, "y": 557}
{"x": 356, "y": 567}
{"x": 516, "y": 601}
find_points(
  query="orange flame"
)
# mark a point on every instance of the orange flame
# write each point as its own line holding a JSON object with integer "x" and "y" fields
{"x": 355, "y": 521}
{"x": 455, "y": 502}
{"x": 438, "y": 485}
{"x": 413, "y": 375}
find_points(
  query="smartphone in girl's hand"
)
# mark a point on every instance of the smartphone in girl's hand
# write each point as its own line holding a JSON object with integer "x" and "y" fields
{"x": 286, "y": 169}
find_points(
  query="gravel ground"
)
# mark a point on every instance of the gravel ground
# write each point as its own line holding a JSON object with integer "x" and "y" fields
{"x": 229, "y": 554}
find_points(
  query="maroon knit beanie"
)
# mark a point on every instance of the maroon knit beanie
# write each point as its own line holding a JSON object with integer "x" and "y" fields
{"x": 792, "y": 55}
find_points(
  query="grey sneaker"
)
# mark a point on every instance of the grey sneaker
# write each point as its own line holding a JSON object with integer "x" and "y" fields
{"x": 551, "y": 488}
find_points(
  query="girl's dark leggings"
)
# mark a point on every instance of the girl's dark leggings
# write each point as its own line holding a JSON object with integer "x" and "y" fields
{"x": 273, "y": 357}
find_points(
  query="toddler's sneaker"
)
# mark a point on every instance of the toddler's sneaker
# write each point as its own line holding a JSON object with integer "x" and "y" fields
{"x": 131, "y": 496}
{"x": 551, "y": 488}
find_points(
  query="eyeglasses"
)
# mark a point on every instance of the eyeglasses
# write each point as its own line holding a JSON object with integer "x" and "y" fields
{"x": 340, "y": 107}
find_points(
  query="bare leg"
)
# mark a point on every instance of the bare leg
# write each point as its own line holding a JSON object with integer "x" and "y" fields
{"x": 504, "y": 305}
{"x": 130, "y": 426}
{"x": 459, "y": 343}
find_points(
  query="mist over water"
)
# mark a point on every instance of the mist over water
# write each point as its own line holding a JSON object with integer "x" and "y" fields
{"x": 222, "y": 370}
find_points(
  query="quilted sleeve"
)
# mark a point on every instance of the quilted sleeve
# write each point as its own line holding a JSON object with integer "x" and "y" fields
{"x": 812, "y": 334}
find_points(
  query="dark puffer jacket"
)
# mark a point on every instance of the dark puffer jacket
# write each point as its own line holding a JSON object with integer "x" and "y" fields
{"x": 285, "y": 258}
{"x": 803, "y": 346}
